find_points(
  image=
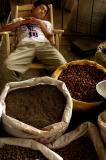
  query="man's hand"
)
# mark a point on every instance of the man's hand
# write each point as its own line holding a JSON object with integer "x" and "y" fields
{"x": 32, "y": 20}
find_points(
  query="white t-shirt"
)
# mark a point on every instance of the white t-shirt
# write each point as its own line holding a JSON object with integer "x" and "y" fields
{"x": 32, "y": 32}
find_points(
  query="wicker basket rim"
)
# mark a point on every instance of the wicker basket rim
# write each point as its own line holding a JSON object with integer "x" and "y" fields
{"x": 58, "y": 71}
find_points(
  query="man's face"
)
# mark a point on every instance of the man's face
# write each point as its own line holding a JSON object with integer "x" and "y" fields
{"x": 39, "y": 11}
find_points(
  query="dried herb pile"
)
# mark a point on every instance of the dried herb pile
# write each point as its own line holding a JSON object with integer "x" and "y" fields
{"x": 38, "y": 106}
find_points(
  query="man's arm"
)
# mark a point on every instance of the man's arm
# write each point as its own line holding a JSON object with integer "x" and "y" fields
{"x": 30, "y": 20}
{"x": 11, "y": 26}
{"x": 46, "y": 32}
{"x": 15, "y": 25}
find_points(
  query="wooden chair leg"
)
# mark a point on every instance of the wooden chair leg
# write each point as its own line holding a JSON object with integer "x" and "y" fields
{"x": 37, "y": 66}
{"x": 7, "y": 43}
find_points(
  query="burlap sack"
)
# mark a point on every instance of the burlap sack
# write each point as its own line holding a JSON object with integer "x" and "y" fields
{"x": 102, "y": 124}
{"x": 100, "y": 55}
{"x": 87, "y": 128}
{"x": 87, "y": 16}
{"x": 31, "y": 144}
{"x": 1, "y": 110}
{"x": 19, "y": 129}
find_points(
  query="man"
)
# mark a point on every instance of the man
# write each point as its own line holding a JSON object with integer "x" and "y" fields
{"x": 34, "y": 40}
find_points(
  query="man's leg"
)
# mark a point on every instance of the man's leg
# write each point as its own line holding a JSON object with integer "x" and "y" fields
{"x": 19, "y": 60}
{"x": 10, "y": 75}
{"x": 49, "y": 55}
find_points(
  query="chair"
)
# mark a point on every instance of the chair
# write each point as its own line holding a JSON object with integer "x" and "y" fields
{"x": 25, "y": 11}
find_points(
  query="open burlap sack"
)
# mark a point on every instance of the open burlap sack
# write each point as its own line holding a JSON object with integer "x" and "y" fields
{"x": 20, "y": 129}
{"x": 86, "y": 128}
{"x": 102, "y": 124}
{"x": 100, "y": 55}
{"x": 18, "y": 148}
{"x": 1, "y": 110}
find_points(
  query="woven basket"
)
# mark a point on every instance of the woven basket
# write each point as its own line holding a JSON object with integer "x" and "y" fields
{"x": 77, "y": 104}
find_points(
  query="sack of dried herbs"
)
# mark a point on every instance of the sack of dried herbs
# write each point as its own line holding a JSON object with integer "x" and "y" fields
{"x": 100, "y": 55}
{"x": 38, "y": 108}
{"x": 1, "y": 110}
{"x": 22, "y": 149}
{"x": 102, "y": 124}
{"x": 84, "y": 142}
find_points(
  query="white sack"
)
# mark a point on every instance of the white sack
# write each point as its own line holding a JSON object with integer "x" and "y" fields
{"x": 28, "y": 143}
{"x": 49, "y": 133}
{"x": 102, "y": 124}
{"x": 85, "y": 128}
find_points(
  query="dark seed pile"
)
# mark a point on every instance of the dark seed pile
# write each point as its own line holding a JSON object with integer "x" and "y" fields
{"x": 104, "y": 50}
{"x": 81, "y": 81}
{"x": 81, "y": 149}
{"x": 10, "y": 152}
{"x": 3, "y": 133}
{"x": 38, "y": 106}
